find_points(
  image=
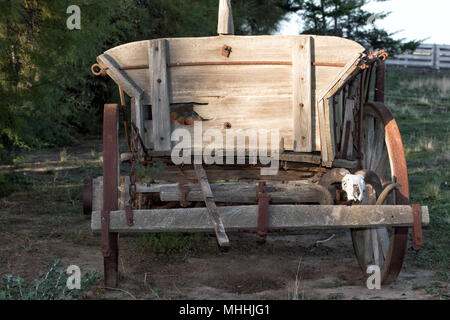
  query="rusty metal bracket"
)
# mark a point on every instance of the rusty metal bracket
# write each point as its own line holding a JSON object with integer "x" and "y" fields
{"x": 184, "y": 190}
{"x": 226, "y": 51}
{"x": 417, "y": 239}
{"x": 129, "y": 214}
{"x": 263, "y": 212}
{"x": 87, "y": 196}
{"x": 106, "y": 250}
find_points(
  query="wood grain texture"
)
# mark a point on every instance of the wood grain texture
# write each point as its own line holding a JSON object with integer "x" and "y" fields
{"x": 159, "y": 94}
{"x": 301, "y": 96}
{"x": 265, "y": 92}
{"x": 225, "y": 20}
{"x": 289, "y": 217}
{"x": 208, "y": 198}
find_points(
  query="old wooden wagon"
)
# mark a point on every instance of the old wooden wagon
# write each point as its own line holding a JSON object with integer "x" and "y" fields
{"x": 334, "y": 157}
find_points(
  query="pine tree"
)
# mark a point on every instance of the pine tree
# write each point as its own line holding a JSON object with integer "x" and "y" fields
{"x": 348, "y": 19}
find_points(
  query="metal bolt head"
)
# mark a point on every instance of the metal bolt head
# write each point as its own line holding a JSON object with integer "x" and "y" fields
{"x": 301, "y": 105}
{"x": 159, "y": 80}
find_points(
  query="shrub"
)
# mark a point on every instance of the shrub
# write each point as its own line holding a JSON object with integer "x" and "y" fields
{"x": 50, "y": 285}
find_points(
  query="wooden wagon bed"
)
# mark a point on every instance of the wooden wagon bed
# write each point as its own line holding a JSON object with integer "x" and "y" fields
{"x": 281, "y": 82}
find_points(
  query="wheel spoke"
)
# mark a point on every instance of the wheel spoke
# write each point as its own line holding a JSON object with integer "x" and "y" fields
{"x": 367, "y": 247}
{"x": 376, "y": 250}
{"x": 383, "y": 238}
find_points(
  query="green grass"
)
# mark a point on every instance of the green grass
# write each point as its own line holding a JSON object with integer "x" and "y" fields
{"x": 420, "y": 102}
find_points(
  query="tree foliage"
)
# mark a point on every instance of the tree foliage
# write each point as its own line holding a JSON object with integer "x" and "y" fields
{"x": 49, "y": 96}
{"x": 348, "y": 19}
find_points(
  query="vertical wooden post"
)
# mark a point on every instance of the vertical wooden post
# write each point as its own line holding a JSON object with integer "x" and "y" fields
{"x": 225, "y": 23}
{"x": 157, "y": 54}
{"x": 110, "y": 245}
{"x": 302, "y": 94}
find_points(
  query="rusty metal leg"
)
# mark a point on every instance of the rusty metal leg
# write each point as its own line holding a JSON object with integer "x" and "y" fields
{"x": 263, "y": 212}
{"x": 110, "y": 245}
{"x": 380, "y": 80}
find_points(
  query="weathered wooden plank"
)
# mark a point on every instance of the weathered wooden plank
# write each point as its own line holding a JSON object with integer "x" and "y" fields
{"x": 348, "y": 120}
{"x": 137, "y": 115}
{"x": 225, "y": 21}
{"x": 329, "y": 124}
{"x": 302, "y": 94}
{"x": 122, "y": 79}
{"x": 300, "y": 157}
{"x": 208, "y": 197}
{"x": 324, "y": 133}
{"x": 289, "y": 217}
{"x": 159, "y": 94}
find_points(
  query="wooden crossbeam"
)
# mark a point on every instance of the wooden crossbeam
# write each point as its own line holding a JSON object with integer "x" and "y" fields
{"x": 208, "y": 197}
{"x": 289, "y": 217}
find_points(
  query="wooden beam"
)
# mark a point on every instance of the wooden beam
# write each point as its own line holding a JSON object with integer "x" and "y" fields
{"x": 225, "y": 21}
{"x": 238, "y": 192}
{"x": 208, "y": 197}
{"x": 289, "y": 217}
{"x": 159, "y": 84}
{"x": 302, "y": 93}
{"x": 122, "y": 79}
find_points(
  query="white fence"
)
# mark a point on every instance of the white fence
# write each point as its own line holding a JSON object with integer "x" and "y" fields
{"x": 434, "y": 56}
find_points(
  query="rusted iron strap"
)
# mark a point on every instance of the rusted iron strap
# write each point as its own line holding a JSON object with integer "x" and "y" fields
{"x": 129, "y": 214}
{"x": 232, "y": 63}
{"x": 184, "y": 190}
{"x": 87, "y": 196}
{"x": 417, "y": 238}
{"x": 328, "y": 64}
{"x": 380, "y": 79}
{"x": 106, "y": 250}
{"x": 263, "y": 211}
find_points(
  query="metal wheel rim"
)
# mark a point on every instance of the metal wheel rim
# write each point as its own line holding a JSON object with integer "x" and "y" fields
{"x": 385, "y": 247}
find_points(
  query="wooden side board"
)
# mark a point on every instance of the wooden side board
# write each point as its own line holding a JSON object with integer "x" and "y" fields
{"x": 260, "y": 84}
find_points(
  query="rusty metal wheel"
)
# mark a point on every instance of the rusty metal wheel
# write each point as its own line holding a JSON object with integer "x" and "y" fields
{"x": 383, "y": 153}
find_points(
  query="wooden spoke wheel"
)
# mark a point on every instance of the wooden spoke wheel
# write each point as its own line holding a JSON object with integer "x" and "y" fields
{"x": 383, "y": 154}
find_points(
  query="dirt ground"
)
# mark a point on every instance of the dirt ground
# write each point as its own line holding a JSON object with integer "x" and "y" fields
{"x": 44, "y": 221}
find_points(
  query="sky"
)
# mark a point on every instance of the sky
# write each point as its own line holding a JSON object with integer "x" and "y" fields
{"x": 412, "y": 19}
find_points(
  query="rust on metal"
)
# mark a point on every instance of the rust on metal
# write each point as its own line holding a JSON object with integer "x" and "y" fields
{"x": 101, "y": 71}
{"x": 110, "y": 247}
{"x": 184, "y": 190}
{"x": 417, "y": 239}
{"x": 226, "y": 51}
{"x": 380, "y": 81}
{"x": 328, "y": 64}
{"x": 87, "y": 196}
{"x": 231, "y": 63}
{"x": 400, "y": 175}
{"x": 210, "y": 63}
{"x": 125, "y": 118}
{"x": 263, "y": 211}
{"x": 106, "y": 251}
{"x": 135, "y": 67}
{"x": 360, "y": 120}
{"x": 129, "y": 215}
